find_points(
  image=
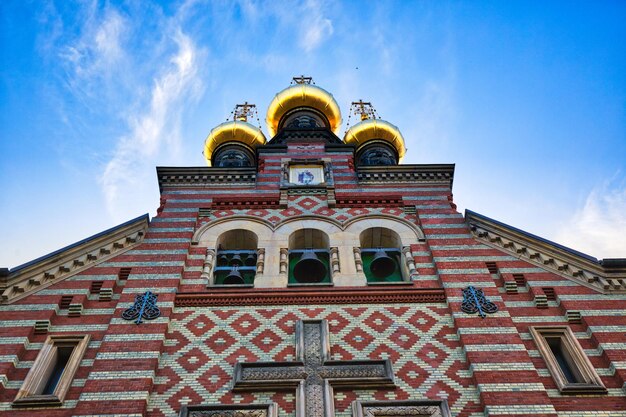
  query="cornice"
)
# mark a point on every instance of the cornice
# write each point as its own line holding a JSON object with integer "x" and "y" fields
{"x": 423, "y": 173}
{"x": 308, "y": 296}
{"x": 204, "y": 176}
{"x": 57, "y": 266}
{"x": 606, "y": 276}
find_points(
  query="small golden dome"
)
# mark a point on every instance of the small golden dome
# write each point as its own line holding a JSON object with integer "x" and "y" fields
{"x": 233, "y": 131}
{"x": 303, "y": 95}
{"x": 371, "y": 129}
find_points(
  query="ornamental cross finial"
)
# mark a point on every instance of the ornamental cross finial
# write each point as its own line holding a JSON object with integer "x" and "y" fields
{"x": 243, "y": 111}
{"x": 474, "y": 301}
{"x": 364, "y": 109}
{"x": 144, "y": 307}
{"x": 313, "y": 375}
{"x": 302, "y": 80}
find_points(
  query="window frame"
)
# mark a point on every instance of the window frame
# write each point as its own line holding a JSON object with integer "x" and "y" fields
{"x": 39, "y": 374}
{"x": 582, "y": 366}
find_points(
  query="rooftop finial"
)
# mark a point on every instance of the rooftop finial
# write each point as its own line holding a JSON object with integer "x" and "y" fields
{"x": 243, "y": 111}
{"x": 302, "y": 80}
{"x": 363, "y": 109}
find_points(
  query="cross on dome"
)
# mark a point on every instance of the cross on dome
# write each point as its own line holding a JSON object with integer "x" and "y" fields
{"x": 243, "y": 111}
{"x": 302, "y": 80}
{"x": 365, "y": 109}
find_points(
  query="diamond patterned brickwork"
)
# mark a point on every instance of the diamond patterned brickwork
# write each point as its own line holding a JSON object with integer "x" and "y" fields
{"x": 203, "y": 345}
{"x": 308, "y": 205}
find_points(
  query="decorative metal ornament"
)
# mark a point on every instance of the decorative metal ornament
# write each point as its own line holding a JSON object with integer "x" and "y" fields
{"x": 145, "y": 307}
{"x": 474, "y": 301}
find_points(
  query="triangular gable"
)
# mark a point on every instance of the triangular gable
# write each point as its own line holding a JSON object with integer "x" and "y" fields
{"x": 64, "y": 263}
{"x": 607, "y": 275}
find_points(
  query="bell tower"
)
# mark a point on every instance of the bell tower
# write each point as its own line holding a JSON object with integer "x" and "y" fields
{"x": 331, "y": 210}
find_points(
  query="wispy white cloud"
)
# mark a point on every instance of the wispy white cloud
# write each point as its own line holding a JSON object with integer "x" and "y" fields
{"x": 143, "y": 85}
{"x": 599, "y": 226}
{"x": 318, "y": 27}
{"x": 98, "y": 51}
{"x": 159, "y": 125}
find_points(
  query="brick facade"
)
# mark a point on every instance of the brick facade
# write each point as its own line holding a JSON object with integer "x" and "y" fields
{"x": 483, "y": 366}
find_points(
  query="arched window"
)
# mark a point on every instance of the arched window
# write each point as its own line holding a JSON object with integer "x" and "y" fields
{"x": 233, "y": 156}
{"x": 309, "y": 257}
{"x": 377, "y": 154}
{"x": 381, "y": 255}
{"x": 304, "y": 118}
{"x": 236, "y": 258}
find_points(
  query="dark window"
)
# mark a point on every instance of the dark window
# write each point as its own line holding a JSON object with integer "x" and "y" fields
{"x": 566, "y": 360}
{"x": 63, "y": 356}
{"x": 232, "y": 158}
{"x": 50, "y": 377}
{"x": 303, "y": 119}
{"x": 556, "y": 346}
{"x": 303, "y": 122}
{"x": 377, "y": 155}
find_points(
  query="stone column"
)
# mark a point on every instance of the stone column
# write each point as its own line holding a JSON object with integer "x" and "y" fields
{"x": 207, "y": 268}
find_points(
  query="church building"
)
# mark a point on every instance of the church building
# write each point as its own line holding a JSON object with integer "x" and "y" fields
{"x": 309, "y": 273}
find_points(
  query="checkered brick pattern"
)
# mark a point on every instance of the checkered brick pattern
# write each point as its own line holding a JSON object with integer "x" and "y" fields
{"x": 204, "y": 344}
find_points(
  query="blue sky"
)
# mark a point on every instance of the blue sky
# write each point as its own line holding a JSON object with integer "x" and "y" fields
{"x": 527, "y": 98}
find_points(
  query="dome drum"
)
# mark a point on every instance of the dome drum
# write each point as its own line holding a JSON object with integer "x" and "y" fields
{"x": 363, "y": 133}
{"x": 233, "y": 155}
{"x": 304, "y": 118}
{"x": 242, "y": 135}
{"x": 376, "y": 152}
{"x": 305, "y": 97}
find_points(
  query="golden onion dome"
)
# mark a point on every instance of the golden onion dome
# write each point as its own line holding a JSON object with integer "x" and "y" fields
{"x": 372, "y": 129}
{"x": 303, "y": 95}
{"x": 233, "y": 131}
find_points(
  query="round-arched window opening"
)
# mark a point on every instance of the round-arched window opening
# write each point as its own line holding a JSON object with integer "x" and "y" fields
{"x": 233, "y": 156}
{"x": 377, "y": 154}
{"x": 236, "y": 258}
{"x": 381, "y": 255}
{"x": 303, "y": 118}
{"x": 309, "y": 257}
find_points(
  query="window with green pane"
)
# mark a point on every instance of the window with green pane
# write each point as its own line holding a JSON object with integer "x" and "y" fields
{"x": 236, "y": 258}
{"x": 309, "y": 258}
{"x": 381, "y": 255}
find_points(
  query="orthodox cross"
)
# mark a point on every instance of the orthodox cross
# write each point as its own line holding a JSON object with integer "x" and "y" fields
{"x": 302, "y": 80}
{"x": 363, "y": 109}
{"x": 243, "y": 111}
{"x": 313, "y": 375}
